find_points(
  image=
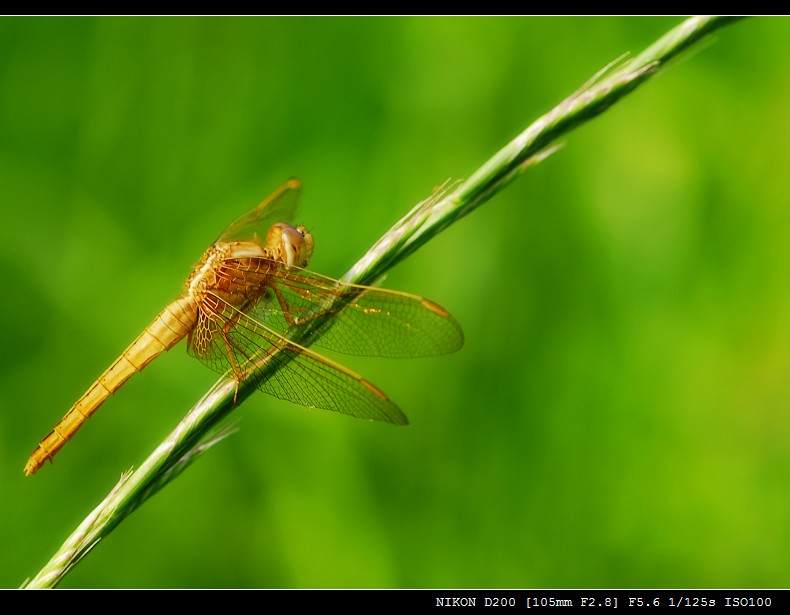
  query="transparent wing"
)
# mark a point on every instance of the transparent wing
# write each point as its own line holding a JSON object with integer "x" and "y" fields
{"x": 227, "y": 339}
{"x": 367, "y": 321}
{"x": 279, "y": 206}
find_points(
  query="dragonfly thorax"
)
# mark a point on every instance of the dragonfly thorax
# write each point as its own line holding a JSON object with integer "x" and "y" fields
{"x": 286, "y": 246}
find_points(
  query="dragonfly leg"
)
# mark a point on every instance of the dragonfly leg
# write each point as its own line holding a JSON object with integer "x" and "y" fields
{"x": 287, "y": 310}
{"x": 230, "y": 345}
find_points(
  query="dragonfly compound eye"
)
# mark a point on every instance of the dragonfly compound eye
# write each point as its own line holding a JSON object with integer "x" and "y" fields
{"x": 296, "y": 246}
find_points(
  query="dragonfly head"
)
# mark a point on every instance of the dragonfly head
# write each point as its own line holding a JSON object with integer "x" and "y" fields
{"x": 293, "y": 245}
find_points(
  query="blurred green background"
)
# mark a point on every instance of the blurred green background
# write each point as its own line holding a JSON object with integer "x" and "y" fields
{"x": 618, "y": 416}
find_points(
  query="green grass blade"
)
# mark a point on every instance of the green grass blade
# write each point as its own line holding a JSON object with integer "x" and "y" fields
{"x": 193, "y": 434}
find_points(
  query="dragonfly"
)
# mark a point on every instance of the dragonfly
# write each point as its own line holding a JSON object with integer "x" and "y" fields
{"x": 247, "y": 304}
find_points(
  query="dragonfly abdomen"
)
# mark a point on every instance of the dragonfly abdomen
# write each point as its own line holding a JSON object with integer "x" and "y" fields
{"x": 167, "y": 329}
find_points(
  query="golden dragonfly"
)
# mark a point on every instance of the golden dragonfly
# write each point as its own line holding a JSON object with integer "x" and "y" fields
{"x": 246, "y": 303}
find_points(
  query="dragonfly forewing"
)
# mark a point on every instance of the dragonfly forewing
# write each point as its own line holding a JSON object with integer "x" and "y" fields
{"x": 279, "y": 206}
{"x": 363, "y": 320}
